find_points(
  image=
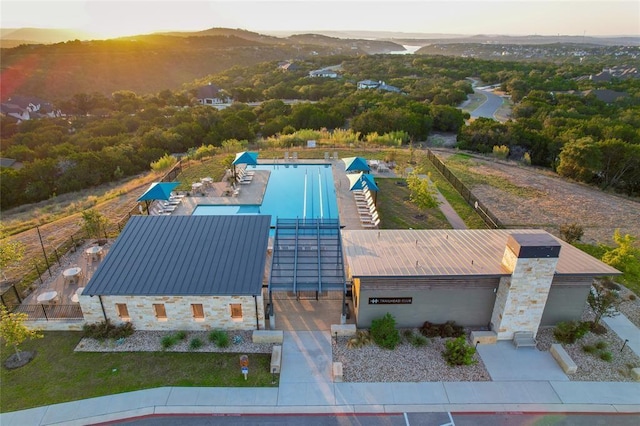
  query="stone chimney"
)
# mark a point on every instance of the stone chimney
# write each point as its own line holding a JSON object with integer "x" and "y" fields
{"x": 521, "y": 297}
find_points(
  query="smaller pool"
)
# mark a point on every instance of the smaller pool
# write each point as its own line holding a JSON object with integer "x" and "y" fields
{"x": 222, "y": 210}
{"x": 304, "y": 191}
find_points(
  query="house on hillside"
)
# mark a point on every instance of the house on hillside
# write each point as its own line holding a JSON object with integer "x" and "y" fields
{"x": 183, "y": 273}
{"x": 211, "y": 95}
{"x": 380, "y": 85}
{"x": 28, "y": 107}
{"x": 324, "y": 73}
{"x": 606, "y": 95}
{"x": 10, "y": 163}
{"x": 290, "y": 66}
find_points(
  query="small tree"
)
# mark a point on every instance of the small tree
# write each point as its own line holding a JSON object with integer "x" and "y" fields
{"x": 10, "y": 252}
{"x": 603, "y": 302}
{"x": 13, "y": 331}
{"x": 423, "y": 191}
{"x": 94, "y": 223}
{"x": 164, "y": 163}
{"x": 571, "y": 233}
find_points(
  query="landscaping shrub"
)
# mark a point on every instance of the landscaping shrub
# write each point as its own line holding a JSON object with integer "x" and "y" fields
{"x": 384, "y": 332}
{"x": 181, "y": 335}
{"x": 107, "y": 330}
{"x": 215, "y": 335}
{"x": 459, "y": 352}
{"x": 570, "y": 331}
{"x": 448, "y": 329}
{"x": 407, "y": 334}
{"x": 195, "y": 343}
{"x": 168, "y": 341}
{"x": 223, "y": 341}
{"x": 589, "y": 349}
{"x": 362, "y": 338}
{"x": 601, "y": 345}
{"x": 418, "y": 340}
{"x": 606, "y": 356}
{"x": 571, "y": 233}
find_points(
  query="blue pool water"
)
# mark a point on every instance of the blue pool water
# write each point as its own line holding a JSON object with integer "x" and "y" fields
{"x": 293, "y": 191}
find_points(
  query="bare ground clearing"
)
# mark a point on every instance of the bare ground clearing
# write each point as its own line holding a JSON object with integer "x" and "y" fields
{"x": 553, "y": 202}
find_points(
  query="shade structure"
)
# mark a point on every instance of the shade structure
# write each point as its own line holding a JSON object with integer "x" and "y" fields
{"x": 246, "y": 157}
{"x": 357, "y": 181}
{"x": 159, "y": 191}
{"x": 356, "y": 164}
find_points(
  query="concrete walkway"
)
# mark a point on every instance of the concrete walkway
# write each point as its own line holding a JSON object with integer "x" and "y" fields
{"x": 306, "y": 386}
{"x": 626, "y": 330}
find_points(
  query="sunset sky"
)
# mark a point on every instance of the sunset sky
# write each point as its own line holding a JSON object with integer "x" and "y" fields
{"x": 111, "y": 18}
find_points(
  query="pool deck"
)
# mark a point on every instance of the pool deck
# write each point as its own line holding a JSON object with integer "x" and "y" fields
{"x": 253, "y": 193}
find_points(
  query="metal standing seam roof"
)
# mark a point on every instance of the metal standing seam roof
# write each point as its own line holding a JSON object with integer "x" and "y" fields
{"x": 185, "y": 255}
{"x": 454, "y": 253}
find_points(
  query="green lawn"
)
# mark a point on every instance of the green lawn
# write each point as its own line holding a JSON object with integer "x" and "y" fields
{"x": 58, "y": 374}
{"x": 397, "y": 212}
{"x": 464, "y": 210}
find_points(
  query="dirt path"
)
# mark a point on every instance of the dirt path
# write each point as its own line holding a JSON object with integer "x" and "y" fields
{"x": 553, "y": 201}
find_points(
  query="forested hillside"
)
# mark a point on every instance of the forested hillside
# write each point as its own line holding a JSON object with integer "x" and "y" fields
{"x": 555, "y": 125}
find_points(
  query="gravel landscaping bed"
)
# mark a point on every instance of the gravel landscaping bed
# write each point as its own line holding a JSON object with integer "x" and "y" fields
{"x": 591, "y": 368}
{"x": 150, "y": 341}
{"x": 406, "y": 363}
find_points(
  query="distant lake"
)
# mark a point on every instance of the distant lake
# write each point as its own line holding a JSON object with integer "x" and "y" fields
{"x": 410, "y": 50}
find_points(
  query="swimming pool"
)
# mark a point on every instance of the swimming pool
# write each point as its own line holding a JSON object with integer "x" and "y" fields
{"x": 302, "y": 191}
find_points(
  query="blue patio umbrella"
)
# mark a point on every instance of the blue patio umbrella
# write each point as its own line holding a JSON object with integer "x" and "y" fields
{"x": 158, "y": 191}
{"x": 356, "y": 164}
{"x": 360, "y": 180}
{"x": 245, "y": 157}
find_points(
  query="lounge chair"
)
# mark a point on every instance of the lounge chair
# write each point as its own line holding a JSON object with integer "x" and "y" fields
{"x": 373, "y": 224}
{"x": 286, "y": 155}
{"x": 295, "y": 156}
{"x": 165, "y": 208}
{"x": 335, "y": 155}
{"x": 326, "y": 156}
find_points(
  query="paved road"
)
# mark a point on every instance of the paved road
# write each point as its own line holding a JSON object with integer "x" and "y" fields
{"x": 489, "y": 107}
{"x": 399, "y": 419}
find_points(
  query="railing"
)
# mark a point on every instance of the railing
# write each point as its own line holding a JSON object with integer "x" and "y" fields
{"x": 50, "y": 312}
{"x": 483, "y": 211}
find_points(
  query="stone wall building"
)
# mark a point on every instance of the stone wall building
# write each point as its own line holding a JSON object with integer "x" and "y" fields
{"x": 183, "y": 273}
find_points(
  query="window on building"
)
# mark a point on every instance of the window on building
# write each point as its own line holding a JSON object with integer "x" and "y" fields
{"x": 236, "y": 311}
{"x": 198, "y": 311}
{"x": 161, "y": 312}
{"x": 123, "y": 312}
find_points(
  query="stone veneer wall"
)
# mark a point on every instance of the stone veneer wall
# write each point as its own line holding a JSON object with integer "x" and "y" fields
{"x": 217, "y": 312}
{"x": 521, "y": 298}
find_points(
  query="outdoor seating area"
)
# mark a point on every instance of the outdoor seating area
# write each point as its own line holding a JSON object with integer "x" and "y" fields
{"x": 244, "y": 176}
{"x": 166, "y": 207}
{"x": 366, "y": 207}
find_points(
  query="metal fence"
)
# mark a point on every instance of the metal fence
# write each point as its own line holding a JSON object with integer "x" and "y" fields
{"x": 49, "y": 312}
{"x": 489, "y": 218}
{"x": 12, "y": 294}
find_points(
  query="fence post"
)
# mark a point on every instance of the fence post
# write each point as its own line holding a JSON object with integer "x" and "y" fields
{"x": 55, "y": 251}
{"x": 44, "y": 252}
{"x": 39, "y": 274}
{"x": 15, "y": 290}
{"x": 44, "y": 311}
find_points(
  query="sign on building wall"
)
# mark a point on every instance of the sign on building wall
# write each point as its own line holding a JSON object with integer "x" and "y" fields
{"x": 390, "y": 300}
